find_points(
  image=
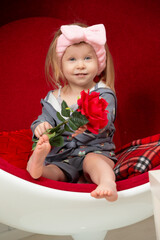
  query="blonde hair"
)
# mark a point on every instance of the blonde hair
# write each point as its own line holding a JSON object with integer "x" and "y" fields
{"x": 53, "y": 71}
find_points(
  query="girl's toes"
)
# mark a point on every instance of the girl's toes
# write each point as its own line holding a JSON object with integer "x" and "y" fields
{"x": 45, "y": 138}
{"x": 40, "y": 141}
{"x": 94, "y": 194}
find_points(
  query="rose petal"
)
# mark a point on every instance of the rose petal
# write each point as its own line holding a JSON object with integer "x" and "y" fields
{"x": 94, "y": 108}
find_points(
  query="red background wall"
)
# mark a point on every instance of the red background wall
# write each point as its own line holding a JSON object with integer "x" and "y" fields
{"x": 133, "y": 37}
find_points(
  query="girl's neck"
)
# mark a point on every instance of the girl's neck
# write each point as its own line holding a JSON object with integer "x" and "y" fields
{"x": 75, "y": 90}
{"x": 70, "y": 94}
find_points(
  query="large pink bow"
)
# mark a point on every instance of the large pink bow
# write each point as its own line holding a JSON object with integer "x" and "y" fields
{"x": 94, "y": 35}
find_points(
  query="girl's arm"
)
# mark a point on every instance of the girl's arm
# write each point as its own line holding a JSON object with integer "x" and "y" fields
{"x": 112, "y": 106}
{"x": 44, "y": 122}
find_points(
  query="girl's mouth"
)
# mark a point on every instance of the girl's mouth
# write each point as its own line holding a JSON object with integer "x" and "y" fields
{"x": 81, "y": 74}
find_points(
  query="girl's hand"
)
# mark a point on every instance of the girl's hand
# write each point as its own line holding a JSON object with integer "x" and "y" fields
{"x": 79, "y": 130}
{"x": 41, "y": 128}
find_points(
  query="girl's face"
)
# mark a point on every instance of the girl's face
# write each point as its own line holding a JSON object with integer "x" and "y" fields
{"x": 80, "y": 65}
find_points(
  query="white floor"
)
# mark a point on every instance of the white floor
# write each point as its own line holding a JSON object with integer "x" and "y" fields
{"x": 144, "y": 230}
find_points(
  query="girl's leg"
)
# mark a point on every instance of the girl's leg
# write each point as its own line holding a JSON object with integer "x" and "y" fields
{"x": 100, "y": 171}
{"x": 55, "y": 173}
{"x": 36, "y": 166}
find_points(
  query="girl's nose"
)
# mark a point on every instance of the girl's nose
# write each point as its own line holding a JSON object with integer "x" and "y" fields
{"x": 81, "y": 64}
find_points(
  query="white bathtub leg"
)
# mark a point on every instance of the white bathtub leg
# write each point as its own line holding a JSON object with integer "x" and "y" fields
{"x": 90, "y": 235}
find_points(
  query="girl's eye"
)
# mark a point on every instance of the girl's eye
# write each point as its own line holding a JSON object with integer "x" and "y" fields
{"x": 87, "y": 58}
{"x": 72, "y": 59}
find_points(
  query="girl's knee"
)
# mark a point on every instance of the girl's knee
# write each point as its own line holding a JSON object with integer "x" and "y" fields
{"x": 88, "y": 160}
{"x": 94, "y": 159}
{"x": 88, "y": 157}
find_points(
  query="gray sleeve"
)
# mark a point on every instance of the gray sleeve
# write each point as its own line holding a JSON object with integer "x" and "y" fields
{"x": 44, "y": 117}
{"x": 112, "y": 107}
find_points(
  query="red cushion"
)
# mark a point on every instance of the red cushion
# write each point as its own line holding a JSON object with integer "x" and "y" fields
{"x": 15, "y": 150}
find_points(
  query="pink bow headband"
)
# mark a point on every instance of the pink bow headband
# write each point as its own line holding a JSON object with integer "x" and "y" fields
{"x": 94, "y": 35}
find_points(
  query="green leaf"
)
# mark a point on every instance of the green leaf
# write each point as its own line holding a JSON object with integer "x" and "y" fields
{"x": 50, "y": 135}
{"x": 79, "y": 116}
{"x": 34, "y": 145}
{"x": 55, "y": 129}
{"x": 60, "y": 117}
{"x": 72, "y": 125}
{"x": 56, "y": 141}
{"x": 65, "y": 110}
{"x": 35, "y": 140}
{"x": 60, "y": 132}
{"x": 77, "y": 120}
{"x": 66, "y": 128}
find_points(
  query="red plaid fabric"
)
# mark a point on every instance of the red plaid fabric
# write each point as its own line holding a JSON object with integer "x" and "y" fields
{"x": 138, "y": 157}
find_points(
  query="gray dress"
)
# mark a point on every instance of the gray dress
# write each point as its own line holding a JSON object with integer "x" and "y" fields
{"x": 69, "y": 157}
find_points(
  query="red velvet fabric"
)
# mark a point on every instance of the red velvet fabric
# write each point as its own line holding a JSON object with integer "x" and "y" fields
{"x": 15, "y": 150}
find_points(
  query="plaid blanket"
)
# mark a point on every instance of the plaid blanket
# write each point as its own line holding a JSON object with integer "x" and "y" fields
{"x": 138, "y": 157}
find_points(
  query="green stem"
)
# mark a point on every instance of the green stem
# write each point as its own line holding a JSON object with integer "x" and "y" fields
{"x": 59, "y": 125}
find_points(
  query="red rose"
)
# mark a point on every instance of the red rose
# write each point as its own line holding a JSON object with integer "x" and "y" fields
{"x": 94, "y": 109}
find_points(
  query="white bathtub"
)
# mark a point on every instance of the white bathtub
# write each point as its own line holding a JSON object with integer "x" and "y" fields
{"x": 38, "y": 209}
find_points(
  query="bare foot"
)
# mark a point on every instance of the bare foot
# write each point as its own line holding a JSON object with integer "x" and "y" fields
{"x": 36, "y": 161}
{"x": 107, "y": 191}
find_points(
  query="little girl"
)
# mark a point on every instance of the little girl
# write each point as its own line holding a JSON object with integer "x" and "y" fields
{"x": 77, "y": 55}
